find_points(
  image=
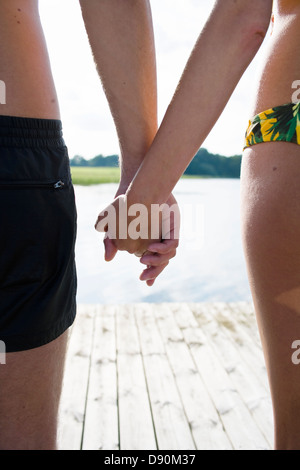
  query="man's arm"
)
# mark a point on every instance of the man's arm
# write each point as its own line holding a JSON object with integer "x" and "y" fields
{"x": 122, "y": 41}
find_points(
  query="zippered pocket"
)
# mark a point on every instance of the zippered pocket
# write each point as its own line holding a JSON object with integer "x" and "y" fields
{"x": 31, "y": 185}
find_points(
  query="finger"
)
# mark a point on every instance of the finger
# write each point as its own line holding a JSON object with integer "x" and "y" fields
{"x": 163, "y": 247}
{"x": 152, "y": 272}
{"x": 101, "y": 223}
{"x": 110, "y": 249}
{"x": 157, "y": 259}
{"x": 106, "y": 220}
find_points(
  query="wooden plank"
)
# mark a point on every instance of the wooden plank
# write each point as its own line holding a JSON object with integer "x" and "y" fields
{"x": 185, "y": 376}
{"x": 203, "y": 418}
{"x": 244, "y": 314}
{"x": 171, "y": 425}
{"x": 72, "y": 406}
{"x": 237, "y": 420}
{"x": 205, "y": 317}
{"x": 136, "y": 425}
{"x": 238, "y": 334}
{"x": 101, "y": 420}
{"x": 253, "y": 393}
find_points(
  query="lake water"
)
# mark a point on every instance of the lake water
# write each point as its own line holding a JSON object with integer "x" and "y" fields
{"x": 209, "y": 265}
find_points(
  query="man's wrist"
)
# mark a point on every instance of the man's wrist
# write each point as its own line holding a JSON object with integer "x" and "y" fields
{"x": 126, "y": 177}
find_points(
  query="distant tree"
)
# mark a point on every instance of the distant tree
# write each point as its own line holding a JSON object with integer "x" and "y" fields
{"x": 203, "y": 164}
{"x": 208, "y": 164}
{"x": 78, "y": 160}
{"x": 100, "y": 160}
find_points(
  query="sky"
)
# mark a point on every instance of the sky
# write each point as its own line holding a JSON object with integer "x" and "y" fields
{"x": 88, "y": 126}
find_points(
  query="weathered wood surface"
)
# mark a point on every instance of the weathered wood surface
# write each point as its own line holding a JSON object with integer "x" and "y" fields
{"x": 166, "y": 377}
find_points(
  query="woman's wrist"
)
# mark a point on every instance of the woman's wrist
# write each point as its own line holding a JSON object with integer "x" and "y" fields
{"x": 145, "y": 191}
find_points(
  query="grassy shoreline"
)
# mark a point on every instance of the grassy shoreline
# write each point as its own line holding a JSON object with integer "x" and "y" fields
{"x": 86, "y": 176}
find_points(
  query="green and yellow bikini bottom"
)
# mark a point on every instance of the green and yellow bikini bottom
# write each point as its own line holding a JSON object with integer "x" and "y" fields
{"x": 278, "y": 124}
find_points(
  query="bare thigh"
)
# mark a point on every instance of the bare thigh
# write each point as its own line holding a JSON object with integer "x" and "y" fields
{"x": 30, "y": 389}
{"x": 271, "y": 234}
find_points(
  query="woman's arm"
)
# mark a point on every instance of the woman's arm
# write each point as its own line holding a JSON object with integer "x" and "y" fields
{"x": 231, "y": 38}
{"x": 229, "y": 41}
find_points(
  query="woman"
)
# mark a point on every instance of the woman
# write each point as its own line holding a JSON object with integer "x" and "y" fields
{"x": 271, "y": 218}
{"x": 270, "y": 181}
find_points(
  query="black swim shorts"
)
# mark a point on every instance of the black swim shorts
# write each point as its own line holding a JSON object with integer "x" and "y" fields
{"x": 37, "y": 233}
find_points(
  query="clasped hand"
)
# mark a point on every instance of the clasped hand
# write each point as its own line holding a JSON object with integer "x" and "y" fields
{"x": 150, "y": 232}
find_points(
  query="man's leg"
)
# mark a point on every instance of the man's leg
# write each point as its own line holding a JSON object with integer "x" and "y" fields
{"x": 30, "y": 389}
{"x": 271, "y": 231}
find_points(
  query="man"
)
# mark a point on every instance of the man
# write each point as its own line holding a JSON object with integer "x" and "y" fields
{"x": 38, "y": 215}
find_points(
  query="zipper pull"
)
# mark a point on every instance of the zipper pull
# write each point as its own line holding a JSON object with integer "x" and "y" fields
{"x": 59, "y": 185}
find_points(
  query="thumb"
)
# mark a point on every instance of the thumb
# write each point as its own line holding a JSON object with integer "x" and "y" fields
{"x": 101, "y": 223}
{"x": 110, "y": 249}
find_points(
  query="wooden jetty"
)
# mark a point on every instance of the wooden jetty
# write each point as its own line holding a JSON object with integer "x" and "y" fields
{"x": 165, "y": 377}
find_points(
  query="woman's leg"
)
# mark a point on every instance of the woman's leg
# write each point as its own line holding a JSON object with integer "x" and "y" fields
{"x": 271, "y": 234}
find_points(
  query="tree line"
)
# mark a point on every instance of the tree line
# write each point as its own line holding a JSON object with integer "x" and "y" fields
{"x": 203, "y": 164}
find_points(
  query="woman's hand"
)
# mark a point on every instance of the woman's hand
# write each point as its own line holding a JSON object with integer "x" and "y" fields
{"x": 151, "y": 233}
{"x": 158, "y": 255}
